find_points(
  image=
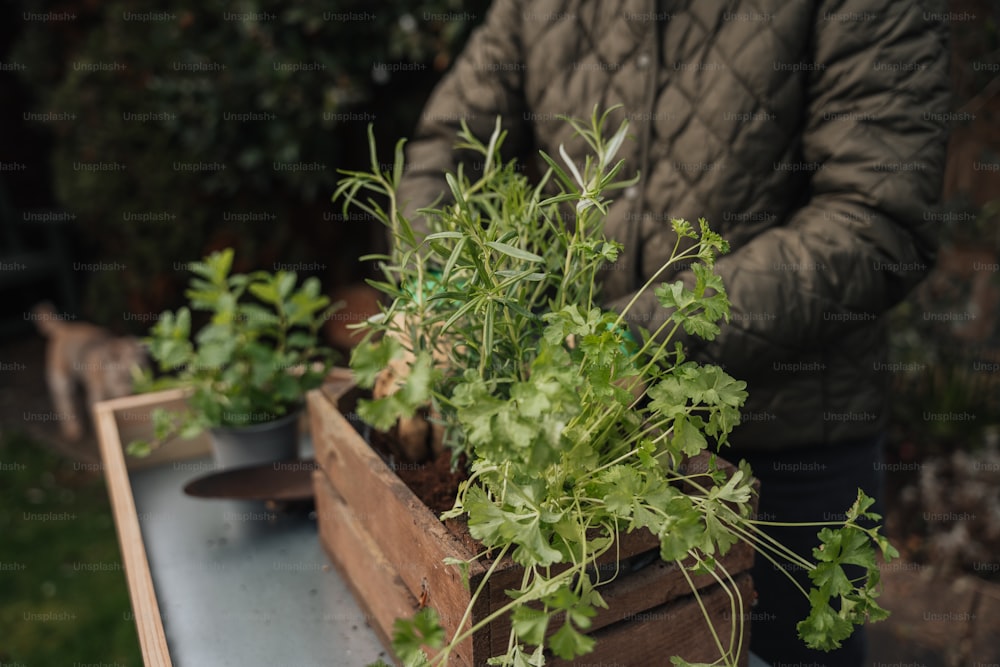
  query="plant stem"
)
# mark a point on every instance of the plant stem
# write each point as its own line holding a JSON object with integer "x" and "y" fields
{"x": 704, "y": 611}
{"x": 732, "y": 590}
{"x": 458, "y": 638}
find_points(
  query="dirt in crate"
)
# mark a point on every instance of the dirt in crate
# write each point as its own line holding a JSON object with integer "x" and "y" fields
{"x": 434, "y": 481}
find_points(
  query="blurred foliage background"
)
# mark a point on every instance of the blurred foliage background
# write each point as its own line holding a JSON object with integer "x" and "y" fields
{"x": 206, "y": 124}
{"x": 943, "y": 453}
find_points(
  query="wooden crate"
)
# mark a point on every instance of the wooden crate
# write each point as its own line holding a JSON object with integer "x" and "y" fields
{"x": 390, "y": 548}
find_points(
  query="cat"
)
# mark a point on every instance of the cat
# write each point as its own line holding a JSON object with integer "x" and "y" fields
{"x": 80, "y": 353}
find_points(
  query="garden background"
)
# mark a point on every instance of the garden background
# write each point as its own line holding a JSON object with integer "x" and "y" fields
{"x": 133, "y": 141}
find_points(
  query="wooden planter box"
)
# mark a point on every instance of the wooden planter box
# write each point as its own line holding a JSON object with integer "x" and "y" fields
{"x": 390, "y": 548}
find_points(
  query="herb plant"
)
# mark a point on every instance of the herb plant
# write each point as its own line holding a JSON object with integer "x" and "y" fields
{"x": 252, "y": 362}
{"x": 573, "y": 433}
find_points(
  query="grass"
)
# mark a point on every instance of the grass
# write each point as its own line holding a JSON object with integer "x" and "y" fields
{"x": 63, "y": 598}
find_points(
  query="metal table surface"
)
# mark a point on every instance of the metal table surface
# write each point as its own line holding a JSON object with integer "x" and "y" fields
{"x": 239, "y": 585}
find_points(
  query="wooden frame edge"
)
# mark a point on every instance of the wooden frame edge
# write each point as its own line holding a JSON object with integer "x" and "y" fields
{"x": 146, "y": 611}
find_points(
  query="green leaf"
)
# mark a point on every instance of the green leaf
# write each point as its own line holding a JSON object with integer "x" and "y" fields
{"x": 444, "y": 235}
{"x": 737, "y": 489}
{"x": 215, "y": 354}
{"x": 889, "y": 552}
{"x": 619, "y": 499}
{"x": 568, "y": 643}
{"x": 848, "y": 544}
{"x": 300, "y": 340}
{"x": 683, "y": 228}
{"x": 284, "y": 282}
{"x": 381, "y": 413}
{"x": 164, "y": 423}
{"x": 674, "y": 296}
{"x": 416, "y": 389}
{"x": 368, "y": 359}
{"x": 214, "y": 268}
{"x": 860, "y": 508}
{"x": 824, "y": 629}
{"x": 697, "y": 310}
{"x": 493, "y": 524}
{"x": 411, "y": 635}
{"x": 536, "y": 659}
{"x": 256, "y": 317}
{"x": 487, "y": 521}
{"x": 514, "y": 252}
{"x": 718, "y": 534}
{"x": 139, "y": 448}
{"x": 266, "y": 292}
{"x": 688, "y": 435}
{"x": 530, "y": 625}
{"x": 682, "y": 531}
{"x": 533, "y": 545}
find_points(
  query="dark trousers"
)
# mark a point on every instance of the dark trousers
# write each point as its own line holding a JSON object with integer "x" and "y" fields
{"x": 808, "y": 484}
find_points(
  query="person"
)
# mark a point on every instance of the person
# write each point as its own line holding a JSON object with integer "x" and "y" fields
{"x": 809, "y": 135}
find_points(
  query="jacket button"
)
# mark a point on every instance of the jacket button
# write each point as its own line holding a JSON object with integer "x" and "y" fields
{"x": 642, "y": 62}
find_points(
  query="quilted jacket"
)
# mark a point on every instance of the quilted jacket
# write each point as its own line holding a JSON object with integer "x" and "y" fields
{"x": 807, "y": 132}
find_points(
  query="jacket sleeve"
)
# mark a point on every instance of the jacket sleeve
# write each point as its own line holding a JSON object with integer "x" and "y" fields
{"x": 485, "y": 82}
{"x": 863, "y": 238}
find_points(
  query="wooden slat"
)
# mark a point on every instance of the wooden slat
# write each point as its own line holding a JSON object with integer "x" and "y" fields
{"x": 677, "y": 628}
{"x": 403, "y": 528}
{"x": 149, "y": 624}
{"x": 372, "y": 578}
{"x": 659, "y": 583}
{"x": 634, "y": 593}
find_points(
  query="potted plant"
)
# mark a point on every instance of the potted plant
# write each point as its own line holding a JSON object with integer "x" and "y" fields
{"x": 247, "y": 368}
{"x": 573, "y": 434}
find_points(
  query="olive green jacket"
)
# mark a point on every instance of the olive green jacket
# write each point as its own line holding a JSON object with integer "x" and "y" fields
{"x": 809, "y": 133}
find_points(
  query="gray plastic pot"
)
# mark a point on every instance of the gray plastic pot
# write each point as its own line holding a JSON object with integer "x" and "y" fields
{"x": 276, "y": 440}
